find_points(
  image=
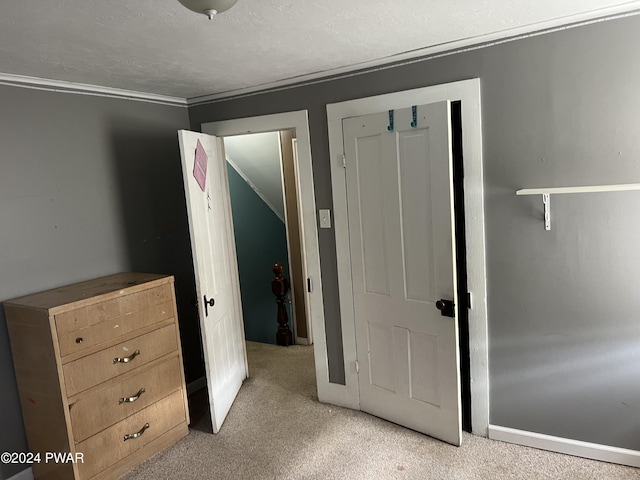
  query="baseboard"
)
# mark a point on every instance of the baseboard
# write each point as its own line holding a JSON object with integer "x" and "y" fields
{"x": 567, "y": 446}
{"x": 302, "y": 341}
{"x": 23, "y": 475}
{"x": 197, "y": 384}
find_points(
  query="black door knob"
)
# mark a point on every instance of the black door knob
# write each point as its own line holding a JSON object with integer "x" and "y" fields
{"x": 208, "y": 303}
{"x": 446, "y": 307}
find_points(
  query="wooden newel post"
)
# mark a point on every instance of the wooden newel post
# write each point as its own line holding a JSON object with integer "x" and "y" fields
{"x": 280, "y": 287}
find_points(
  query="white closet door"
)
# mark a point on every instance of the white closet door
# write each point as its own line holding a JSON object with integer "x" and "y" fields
{"x": 401, "y": 229}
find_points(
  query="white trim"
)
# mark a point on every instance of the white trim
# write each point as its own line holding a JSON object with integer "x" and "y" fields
{"x": 285, "y": 121}
{"x": 244, "y": 176}
{"x": 468, "y": 91}
{"x": 26, "y": 474}
{"x": 196, "y": 385}
{"x": 287, "y": 233}
{"x": 585, "y": 189}
{"x": 302, "y": 341}
{"x": 61, "y": 86}
{"x": 567, "y": 446}
{"x": 426, "y": 53}
{"x": 305, "y": 276}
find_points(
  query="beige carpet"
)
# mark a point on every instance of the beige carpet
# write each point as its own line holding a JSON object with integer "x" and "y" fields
{"x": 278, "y": 430}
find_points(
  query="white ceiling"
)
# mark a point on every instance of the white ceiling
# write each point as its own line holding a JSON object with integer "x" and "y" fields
{"x": 160, "y": 47}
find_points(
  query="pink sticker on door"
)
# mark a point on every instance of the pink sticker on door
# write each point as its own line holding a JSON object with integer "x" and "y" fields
{"x": 200, "y": 166}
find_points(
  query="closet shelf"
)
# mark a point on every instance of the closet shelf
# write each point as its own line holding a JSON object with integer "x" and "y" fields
{"x": 546, "y": 194}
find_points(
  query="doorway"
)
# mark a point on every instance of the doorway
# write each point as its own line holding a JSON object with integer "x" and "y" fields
{"x": 266, "y": 219}
{"x": 297, "y": 121}
{"x": 215, "y": 263}
{"x": 468, "y": 93}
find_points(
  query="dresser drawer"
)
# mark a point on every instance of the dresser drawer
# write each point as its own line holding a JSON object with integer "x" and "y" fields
{"x": 107, "y": 447}
{"x": 106, "y": 321}
{"x": 103, "y": 407}
{"x": 99, "y": 367}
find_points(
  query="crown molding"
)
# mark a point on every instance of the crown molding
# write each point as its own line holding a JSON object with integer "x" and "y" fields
{"x": 62, "y": 86}
{"x": 419, "y": 55}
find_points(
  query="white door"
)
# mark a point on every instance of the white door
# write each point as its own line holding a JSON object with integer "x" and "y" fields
{"x": 216, "y": 269}
{"x": 400, "y": 211}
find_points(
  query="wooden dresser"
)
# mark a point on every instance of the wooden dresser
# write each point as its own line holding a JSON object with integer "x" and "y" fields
{"x": 99, "y": 372}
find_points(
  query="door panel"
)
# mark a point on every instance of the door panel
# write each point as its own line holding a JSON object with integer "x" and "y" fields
{"x": 415, "y": 214}
{"x": 380, "y": 356}
{"x": 374, "y": 251}
{"x": 400, "y": 210}
{"x": 216, "y": 271}
{"x": 424, "y": 368}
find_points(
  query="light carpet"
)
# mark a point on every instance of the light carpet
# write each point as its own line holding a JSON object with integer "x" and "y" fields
{"x": 277, "y": 429}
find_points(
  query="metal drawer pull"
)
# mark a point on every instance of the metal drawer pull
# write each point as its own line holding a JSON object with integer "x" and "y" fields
{"x": 131, "y": 436}
{"x": 126, "y": 359}
{"x": 132, "y": 399}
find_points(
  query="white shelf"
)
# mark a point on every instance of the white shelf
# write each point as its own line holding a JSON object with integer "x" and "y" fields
{"x": 546, "y": 194}
{"x": 584, "y": 189}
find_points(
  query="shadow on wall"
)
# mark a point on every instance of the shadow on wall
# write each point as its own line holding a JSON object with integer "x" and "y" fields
{"x": 155, "y": 225}
{"x": 261, "y": 241}
{"x": 9, "y": 402}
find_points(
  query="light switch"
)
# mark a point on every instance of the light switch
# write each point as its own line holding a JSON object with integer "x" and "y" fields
{"x": 325, "y": 217}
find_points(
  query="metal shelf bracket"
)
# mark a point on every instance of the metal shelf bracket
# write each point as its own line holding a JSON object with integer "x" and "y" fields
{"x": 546, "y": 201}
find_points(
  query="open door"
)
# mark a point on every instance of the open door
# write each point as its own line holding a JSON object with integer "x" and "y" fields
{"x": 400, "y": 211}
{"x": 216, "y": 269}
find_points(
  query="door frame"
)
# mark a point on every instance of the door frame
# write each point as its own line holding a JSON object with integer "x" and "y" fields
{"x": 309, "y": 339}
{"x": 467, "y": 91}
{"x": 299, "y": 121}
{"x": 291, "y": 234}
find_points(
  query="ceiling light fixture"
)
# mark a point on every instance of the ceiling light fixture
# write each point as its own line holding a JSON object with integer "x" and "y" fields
{"x": 208, "y": 7}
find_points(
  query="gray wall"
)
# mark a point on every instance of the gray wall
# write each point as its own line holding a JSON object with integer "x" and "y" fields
{"x": 89, "y": 186}
{"x": 558, "y": 109}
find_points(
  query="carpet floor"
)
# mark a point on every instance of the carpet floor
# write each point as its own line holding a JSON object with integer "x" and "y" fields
{"x": 277, "y": 429}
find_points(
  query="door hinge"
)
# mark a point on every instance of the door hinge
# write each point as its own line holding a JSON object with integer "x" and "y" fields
{"x": 344, "y": 161}
{"x": 469, "y": 300}
{"x": 357, "y": 367}
{"x": 309, "y": 285}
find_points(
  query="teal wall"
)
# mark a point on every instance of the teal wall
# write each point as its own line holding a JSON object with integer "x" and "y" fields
{"x": 261, "y": 241}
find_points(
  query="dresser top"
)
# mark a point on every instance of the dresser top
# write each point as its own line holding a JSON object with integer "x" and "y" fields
{"x": 75, "y": 295}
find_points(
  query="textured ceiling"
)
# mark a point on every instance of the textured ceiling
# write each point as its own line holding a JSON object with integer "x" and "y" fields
{"x": 158, "y": 46}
